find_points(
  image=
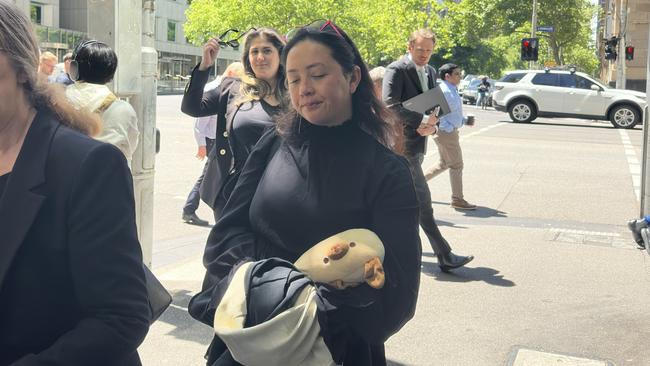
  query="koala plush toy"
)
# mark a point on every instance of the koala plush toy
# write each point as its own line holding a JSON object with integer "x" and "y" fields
{"x": 345, "y": 259}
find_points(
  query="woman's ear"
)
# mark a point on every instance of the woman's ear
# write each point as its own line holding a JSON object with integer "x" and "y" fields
{"x": 355, "y": 79}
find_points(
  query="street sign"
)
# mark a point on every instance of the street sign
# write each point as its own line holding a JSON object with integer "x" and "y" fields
{"x": 545, "y": 28}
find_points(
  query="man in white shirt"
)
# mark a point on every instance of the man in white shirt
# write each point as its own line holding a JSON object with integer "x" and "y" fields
{"x": 447, "y": 138}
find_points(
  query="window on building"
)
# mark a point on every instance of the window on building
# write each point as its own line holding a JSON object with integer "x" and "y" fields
{"x": 36, "y": 13}
{"x": 171, "y": 31}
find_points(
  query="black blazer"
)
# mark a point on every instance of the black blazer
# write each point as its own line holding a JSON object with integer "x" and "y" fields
{"x": 217, "y": 101}
{"x": 401, "y": 82}
{"x": 72, "y": 286}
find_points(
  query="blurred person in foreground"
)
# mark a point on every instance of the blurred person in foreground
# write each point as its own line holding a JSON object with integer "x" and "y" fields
{"x": 326, "y": 168}
{"x": 71, "y": 276}
{"x": 93, "y": 65}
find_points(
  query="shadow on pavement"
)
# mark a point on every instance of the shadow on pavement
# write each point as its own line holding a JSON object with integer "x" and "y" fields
{"x": 467, "y": 274}
{"x": 483, "y": 212}
{"x": 395, "y": 363}
{"x": 185, "y": 327}
{"x": 450, "y": 224}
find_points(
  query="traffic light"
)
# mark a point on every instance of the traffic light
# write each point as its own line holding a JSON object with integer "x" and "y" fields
{"x": 529, "y": 49}
{"x": 629, "y": 53}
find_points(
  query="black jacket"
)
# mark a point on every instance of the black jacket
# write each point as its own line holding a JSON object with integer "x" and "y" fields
{"x": 401, "y": 82}
{"x": 72, "y": 287}
{"x": 198, "y": 104}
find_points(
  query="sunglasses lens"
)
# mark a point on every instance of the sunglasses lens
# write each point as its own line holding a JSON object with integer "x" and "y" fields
{"x": 233, "y": 43}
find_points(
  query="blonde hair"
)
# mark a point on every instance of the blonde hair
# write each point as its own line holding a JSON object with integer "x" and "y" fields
{"x": 234, "y": 70}
{"x": 48, "y": 56}
{"x": 18, "y": 43}
{"x": 422, "y": 33}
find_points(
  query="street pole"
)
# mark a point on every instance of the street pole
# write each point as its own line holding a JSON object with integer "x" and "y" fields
{"x": 645, "y": 174}
{"x": 533, "y": 31}
{"x": 622, "y": 30}
{"x": 128, "y": 27}
{"x": 144, "y": 103}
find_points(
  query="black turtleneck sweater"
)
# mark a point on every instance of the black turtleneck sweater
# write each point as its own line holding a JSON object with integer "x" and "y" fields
{"x": 291, "y": 196}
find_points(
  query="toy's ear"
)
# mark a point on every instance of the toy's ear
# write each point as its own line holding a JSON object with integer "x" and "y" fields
{"x": 373, "y": 273}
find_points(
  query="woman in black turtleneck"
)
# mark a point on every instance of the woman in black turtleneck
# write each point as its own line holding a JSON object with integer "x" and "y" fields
{"x": 327, "y": 168}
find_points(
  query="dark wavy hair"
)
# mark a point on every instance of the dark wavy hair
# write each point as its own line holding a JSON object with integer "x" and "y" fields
{"x": 253, "y": 88}
{"x": 368, "y": 111}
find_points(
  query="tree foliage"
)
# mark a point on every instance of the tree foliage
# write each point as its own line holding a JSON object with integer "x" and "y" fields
{"x": 483, "y": 36}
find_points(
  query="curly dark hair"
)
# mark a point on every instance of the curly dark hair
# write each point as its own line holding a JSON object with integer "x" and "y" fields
{"x": 368, "y": 111}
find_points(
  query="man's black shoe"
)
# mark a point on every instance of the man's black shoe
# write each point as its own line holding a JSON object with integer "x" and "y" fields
{"x": 194, "y": 220}
{"x": 635, "y": 227}
{"x": 450, "y": 261}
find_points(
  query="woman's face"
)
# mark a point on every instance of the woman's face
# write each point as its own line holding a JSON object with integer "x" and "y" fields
{"x": 264, "y": 59}
{"x": 11, "y": 91}
{"x": 319, "y": 90}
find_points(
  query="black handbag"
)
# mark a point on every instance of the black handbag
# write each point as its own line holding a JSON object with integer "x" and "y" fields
{"x": 159, "y": 298}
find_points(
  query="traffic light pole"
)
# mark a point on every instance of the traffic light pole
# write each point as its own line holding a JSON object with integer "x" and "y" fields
{"x": 622, "y": 30}
{"x": 533, "y": 31}
{"x": 645, "y": 174}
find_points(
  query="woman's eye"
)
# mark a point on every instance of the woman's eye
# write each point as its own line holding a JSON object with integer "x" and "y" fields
{"x": 318, "y": 76}
{"x": 294, "y": 81}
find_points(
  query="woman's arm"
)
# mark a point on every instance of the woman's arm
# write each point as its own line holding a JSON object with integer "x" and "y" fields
{"x": 195, "y": 102}
{"x": 105, "y": 264}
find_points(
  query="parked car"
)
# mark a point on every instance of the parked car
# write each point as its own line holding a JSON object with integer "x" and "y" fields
{"x": 463, "y": 83}
{"x": 471, "y": 92}
{"x": 528, "y": 94}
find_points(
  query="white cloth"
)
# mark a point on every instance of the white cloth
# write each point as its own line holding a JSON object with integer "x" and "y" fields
{"x": 205, "y": 127}
{"x": 119, "y": 120}
{"x": 290, "y": 338}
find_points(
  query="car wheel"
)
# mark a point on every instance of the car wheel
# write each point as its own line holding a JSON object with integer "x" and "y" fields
{"x": 624, "y": 116}
{"x": 522, "y": 111}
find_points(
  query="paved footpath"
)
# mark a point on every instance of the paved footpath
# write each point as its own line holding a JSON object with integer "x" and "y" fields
{"x": 556, "y": 279}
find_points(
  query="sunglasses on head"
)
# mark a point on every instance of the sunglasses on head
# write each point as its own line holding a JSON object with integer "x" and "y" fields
{"x": 234, "y": 43}
{"x": 322, "y": 25}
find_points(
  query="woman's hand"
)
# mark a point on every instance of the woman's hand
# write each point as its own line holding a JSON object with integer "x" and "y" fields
{"x": 210, "y": 52}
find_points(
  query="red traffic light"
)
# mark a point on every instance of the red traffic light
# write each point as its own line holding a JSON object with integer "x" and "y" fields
{"x": 526, "y": 43}
{"x": 629, "y": 53}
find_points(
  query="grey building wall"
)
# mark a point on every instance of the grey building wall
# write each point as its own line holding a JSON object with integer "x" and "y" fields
{"x": 73, "y": 15}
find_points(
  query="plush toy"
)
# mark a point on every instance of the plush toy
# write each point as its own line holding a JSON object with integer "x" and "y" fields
{"x": 346, "y": 259}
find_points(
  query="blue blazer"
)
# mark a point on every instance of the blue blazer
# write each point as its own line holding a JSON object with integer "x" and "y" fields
{"x": 72, "y": 286}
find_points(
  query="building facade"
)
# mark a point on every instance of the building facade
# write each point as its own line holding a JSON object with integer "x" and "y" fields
{"x": 628, "y": 20}
{"x": 62, "y": 24}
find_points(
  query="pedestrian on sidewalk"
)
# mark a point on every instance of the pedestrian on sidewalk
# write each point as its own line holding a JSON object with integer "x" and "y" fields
{"x": 205, "y": 131}
{"x": 71, "y": 276}
{"x": 326, "y": 169}
{"x": 244, "y": 109}
{"x": 405, "y": 79}
{"x": 93, "y": 65}
{"x": 483, "y": 92}
{"x": 447, "y": 139}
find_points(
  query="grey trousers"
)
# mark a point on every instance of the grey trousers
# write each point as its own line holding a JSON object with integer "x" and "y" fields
{"x": 427, "y": 221}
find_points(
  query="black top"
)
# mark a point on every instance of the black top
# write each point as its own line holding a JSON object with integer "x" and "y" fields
{"x": 290, "y": 198}
{"x": 3, "y": 183}
{"x": 249, "y": 122}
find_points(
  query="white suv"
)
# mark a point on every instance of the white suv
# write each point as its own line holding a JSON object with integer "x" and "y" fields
{"x": 527, "y": 94}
